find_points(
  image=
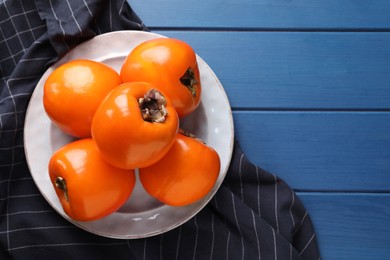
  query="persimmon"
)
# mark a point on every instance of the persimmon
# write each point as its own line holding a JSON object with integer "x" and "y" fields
{"x": 74, "y": 90}
{"x": 185, "y": 174}
{"x": 169, "y": 64}
{"x": 87, "y": 186}
{"x": 135, "y": 125}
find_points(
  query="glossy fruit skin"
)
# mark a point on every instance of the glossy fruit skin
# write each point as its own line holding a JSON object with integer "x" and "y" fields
{"x": 162, "y": 62}
{"x": 184, "y": 175}
{"x": 74, "y": 90}
{"x": 123, "y": 137}
{"x": 95, "y": 188}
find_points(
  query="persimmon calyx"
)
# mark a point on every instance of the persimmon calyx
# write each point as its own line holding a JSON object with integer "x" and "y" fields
{"x": 61, "y": 184}
{"x": 189, "y": 80}
{"x": 152, "y": 106}
{"x": 191, "y": 135}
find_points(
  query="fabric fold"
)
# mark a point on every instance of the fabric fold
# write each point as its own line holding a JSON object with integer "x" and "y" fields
{"x": 72, "y": 22}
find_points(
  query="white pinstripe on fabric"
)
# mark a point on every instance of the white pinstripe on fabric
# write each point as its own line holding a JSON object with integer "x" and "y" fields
{"x": 89, "y": 10}
{"x": 28, "y": 22}
{"x": 276, "y": 204}
{"x": 213, "y": 237}
{"x": 21, "y": 32}
{"x": 23, "y": 178}
{"x": 196, "y": 238}
{"x": 122, "y": 5}
{"x": 300, "y": 224}
{"x": 110, "y": 13}
{"x": 178, "y": 243}
{"x": 292, "y": 203}
{"x": 35, "y": 59}
{"x": 227, "y": 245}
{"x": 258, "y": 191}
{"x": 26, "y": 212}
{"x": 144, "y": 253}
{"x": 12, "y": 97}
{"x": 12, "y": 56}
{"x": 5, "y": 131}
{"x": 18, "y": 14}
{"x": 74, "y": 18}
{"x": 234, "y": 207}
{"x": 8, "y": 47}
{"x": 275, "y": 246}
{"x": 307, "y": 244}
{"x": 238, "y": 227}
{"x": 240, "y": 174}
{"x": 256, "y": 234}
{"x": 60, "y": 23}
{"x": 11, "y": 164}
{"x": 67, "y": 244}
{"x": 13, "y": 24}
{"x": 23, "y": 196}
{"x": 36, "y": 228}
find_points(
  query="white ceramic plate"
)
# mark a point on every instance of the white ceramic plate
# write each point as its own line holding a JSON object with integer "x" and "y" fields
{"x": 141, "y": 216}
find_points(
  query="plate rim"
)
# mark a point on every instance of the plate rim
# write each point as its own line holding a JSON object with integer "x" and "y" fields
{"x": 81, "y": 225}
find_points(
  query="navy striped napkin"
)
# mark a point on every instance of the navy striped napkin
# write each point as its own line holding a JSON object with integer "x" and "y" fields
{"x": 254, "y": 215}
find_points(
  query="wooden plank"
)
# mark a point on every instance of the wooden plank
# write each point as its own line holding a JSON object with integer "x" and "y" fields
{"x": 265, "y": 14}
{"x": 332, "y": 151}
{"x": 285, "y": 70}
{"x": 350, "y": 226}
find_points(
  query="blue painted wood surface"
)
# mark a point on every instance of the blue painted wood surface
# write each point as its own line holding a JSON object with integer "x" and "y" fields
{"x": 326, "y": 151}
{"x": 265, "y": 14}
{"x": 309, "y": 84}
{"x": 298, "y": 70}
{"x": 350, "y": 225}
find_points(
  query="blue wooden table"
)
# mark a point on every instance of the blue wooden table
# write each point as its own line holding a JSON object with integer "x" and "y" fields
{"x": 309, "y": 85}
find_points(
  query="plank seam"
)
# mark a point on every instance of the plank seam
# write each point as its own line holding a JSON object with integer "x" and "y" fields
{"x": 341, "y": 192}
{"x": 312, "y": 110}
{"x": 271, "y": 29}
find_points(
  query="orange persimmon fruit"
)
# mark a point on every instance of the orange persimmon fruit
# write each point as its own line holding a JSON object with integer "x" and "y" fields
{"x": 169, "y": 64}
{"x": 135, "y": 125}
{"x": 87, "y": 186}
{"x": 184, "y": 175}
{"x": 74, "y": 90}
